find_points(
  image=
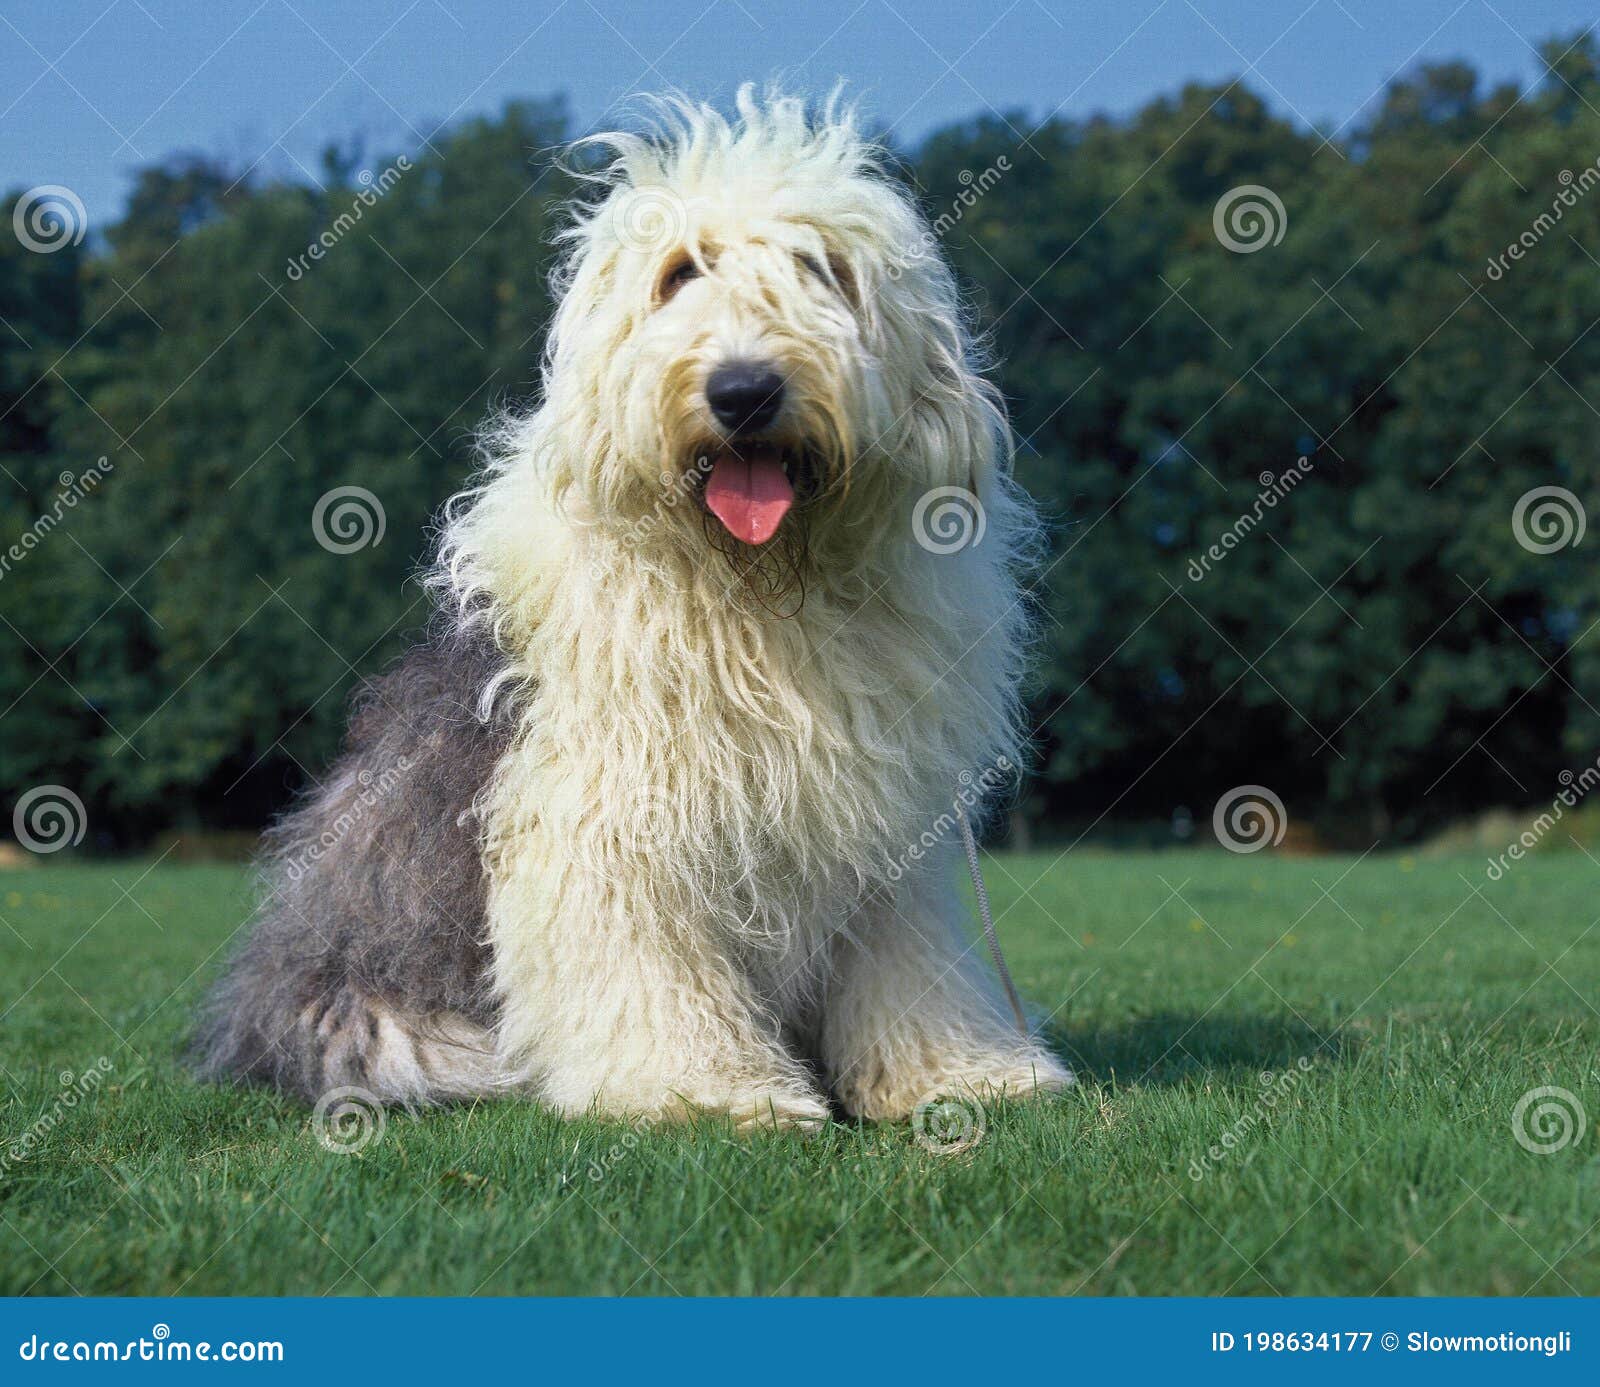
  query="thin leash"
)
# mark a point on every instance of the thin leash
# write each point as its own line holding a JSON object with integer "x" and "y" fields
{"x": 987, "y": 917}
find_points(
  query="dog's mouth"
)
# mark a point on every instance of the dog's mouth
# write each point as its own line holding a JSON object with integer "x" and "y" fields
{"x": 751, "y": 486}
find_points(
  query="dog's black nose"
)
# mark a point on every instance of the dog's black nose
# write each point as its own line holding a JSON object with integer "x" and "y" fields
{"x": 744, "y": 397}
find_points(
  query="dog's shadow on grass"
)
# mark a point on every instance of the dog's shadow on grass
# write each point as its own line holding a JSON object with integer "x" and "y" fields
{"x": 1173, "y": 1048}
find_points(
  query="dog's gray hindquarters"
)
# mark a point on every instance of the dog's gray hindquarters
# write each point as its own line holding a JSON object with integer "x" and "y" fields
{"x": 367, "y": 963}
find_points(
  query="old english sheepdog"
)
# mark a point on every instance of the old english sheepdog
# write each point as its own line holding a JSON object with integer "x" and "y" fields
{"x": 656, "y": 822}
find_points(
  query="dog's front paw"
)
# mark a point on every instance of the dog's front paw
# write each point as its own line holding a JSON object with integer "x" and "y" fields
{"x": 752, "y": 1106}
{"x": 775, "y": 1110}
{"x": 751, "y": 1109}
{"x": 1030, "y": 1076}
{"x": 893, "y": 1097}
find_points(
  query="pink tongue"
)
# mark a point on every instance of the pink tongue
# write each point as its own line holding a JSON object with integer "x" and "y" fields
{"x": 750, "y": 495}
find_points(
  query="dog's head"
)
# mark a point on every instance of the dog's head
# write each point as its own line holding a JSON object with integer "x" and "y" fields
{"x": 758, "y": 340}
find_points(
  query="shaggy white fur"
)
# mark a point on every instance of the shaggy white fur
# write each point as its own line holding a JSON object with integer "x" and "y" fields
{"x": 694, "y": 840}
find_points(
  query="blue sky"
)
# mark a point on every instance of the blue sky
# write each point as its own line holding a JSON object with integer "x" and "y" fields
{"x": 93, "y": 88}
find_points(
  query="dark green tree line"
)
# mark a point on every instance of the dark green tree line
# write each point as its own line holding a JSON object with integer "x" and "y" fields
{"x": 1376, "y": 644}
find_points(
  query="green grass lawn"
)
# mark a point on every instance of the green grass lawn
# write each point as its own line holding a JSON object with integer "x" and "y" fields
{"x": 1423, "y": 1000}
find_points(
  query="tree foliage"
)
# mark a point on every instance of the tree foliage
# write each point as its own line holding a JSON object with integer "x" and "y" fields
{"x": 1376, "y": 644}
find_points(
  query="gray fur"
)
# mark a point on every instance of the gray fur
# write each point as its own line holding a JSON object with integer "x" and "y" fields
{"x": 371, "y": 938}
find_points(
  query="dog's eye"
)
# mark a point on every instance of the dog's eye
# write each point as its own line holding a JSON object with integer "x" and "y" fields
{"x": 675, "y": 278}
{"x": 837, "y": 273}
